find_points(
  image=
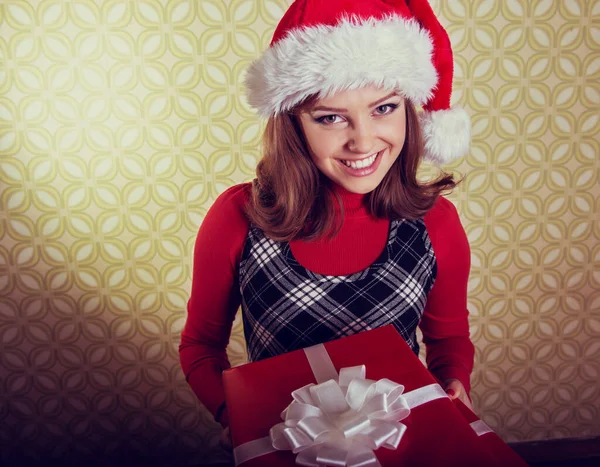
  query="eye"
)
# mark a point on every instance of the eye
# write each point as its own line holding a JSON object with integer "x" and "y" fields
{"x": 386, "y": 109}
{"x": 327, "y": 119}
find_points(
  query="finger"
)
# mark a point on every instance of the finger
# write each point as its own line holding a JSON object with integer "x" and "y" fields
{"x": 465, "y": 400}
{"x": 454, "y": 389}
{"x": 225, "y": 440}
{"x": 226, "y": 445}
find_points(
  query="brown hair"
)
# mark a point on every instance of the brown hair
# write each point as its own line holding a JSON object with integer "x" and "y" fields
{"x": 291, "y": 199}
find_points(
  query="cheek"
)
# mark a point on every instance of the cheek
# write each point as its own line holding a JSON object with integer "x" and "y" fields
{"x": 396, "y": 130}
{"x": 400, "y": 140}
{"x": 322, "y": 159}
{"x": 314, "y": 141}
{"x": 323, "y": 148}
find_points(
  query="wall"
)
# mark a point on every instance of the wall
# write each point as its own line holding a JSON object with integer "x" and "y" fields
{"x": 120, "y": 123}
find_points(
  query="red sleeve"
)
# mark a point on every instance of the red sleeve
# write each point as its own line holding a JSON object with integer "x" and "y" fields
{"x": 214, "y": 298}
{"x": 445, "y": 322}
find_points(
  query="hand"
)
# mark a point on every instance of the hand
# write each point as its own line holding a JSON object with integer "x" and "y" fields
{"x": 225, "y": 440}
{"x": 455, "y": 389}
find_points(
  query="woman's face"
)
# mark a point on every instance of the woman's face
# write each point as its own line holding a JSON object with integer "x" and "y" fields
{"x": 354, "y": 137}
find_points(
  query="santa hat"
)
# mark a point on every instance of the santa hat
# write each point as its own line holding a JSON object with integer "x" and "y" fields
{"x": 321, "y": 47}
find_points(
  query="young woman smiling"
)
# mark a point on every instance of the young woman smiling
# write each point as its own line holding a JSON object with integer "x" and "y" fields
{"x": 336, "y": 235}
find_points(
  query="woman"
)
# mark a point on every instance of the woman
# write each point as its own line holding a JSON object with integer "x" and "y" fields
{"x": 336, "y": 235}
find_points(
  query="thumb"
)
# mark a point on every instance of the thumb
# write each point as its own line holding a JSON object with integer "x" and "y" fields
{"x": 225, "y": 440}
{"x": 454, "y": 388}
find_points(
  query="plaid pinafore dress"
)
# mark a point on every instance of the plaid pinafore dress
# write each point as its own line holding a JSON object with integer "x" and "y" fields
{"x": 287, "y": 307}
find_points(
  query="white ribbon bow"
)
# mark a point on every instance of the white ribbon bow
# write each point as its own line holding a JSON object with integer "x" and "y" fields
{"x": 341, "y": 423}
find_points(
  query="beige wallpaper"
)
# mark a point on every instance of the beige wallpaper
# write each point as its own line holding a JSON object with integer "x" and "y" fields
{"x": 121, "y": 121}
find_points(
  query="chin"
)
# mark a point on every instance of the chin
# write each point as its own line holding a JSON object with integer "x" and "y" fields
{"x": 361, "y": 188}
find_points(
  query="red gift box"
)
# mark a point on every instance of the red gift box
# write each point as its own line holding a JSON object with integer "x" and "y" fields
{"x": 492, "y": 443}
{"x": 437, "y": 433}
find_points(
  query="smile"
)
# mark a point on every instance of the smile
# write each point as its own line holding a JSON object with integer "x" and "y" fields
{"x": 362, "y": 163}
{"x": 362, "y": 167}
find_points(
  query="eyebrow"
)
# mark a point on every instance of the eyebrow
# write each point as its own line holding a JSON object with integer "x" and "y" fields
{"x": 373, "y": 104}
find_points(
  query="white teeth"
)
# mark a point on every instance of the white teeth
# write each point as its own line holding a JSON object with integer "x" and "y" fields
{"x": 361, "y": 164}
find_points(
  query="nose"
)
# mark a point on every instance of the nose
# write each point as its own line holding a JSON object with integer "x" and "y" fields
{"x": 361, "y": 137}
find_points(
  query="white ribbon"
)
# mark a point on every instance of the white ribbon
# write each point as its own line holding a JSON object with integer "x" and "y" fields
{"x": 481, "y": 428}
{"x": 342, "y": 420}
{"x": 341, "y": 423}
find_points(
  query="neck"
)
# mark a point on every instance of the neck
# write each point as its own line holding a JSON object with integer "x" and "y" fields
{"x": 353, "y": 202}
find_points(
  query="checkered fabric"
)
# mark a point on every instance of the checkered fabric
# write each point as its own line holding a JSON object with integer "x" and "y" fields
{"x": 287, "y": 307}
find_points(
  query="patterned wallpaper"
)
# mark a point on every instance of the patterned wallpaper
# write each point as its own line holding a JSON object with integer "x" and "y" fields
{"x": 121, "y": 121}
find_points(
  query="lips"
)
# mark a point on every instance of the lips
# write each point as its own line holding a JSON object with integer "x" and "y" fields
{"x": 360, "y": 171}
{"x": 361, "y": 163}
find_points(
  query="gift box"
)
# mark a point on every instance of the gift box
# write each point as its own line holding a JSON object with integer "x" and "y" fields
{"x": 435, "y": 432}
{"x": 491, "y": 442}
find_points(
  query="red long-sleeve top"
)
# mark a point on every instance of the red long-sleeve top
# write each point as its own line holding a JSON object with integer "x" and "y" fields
{"x": 215, "y": 296}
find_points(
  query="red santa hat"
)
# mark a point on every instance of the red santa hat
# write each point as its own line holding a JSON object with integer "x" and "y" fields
{"x": 321, "y": 47}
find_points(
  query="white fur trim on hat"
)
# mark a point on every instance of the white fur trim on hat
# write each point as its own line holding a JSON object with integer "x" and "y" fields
{"x": 446, "y": 134}
{"x": 394, "y": 53}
